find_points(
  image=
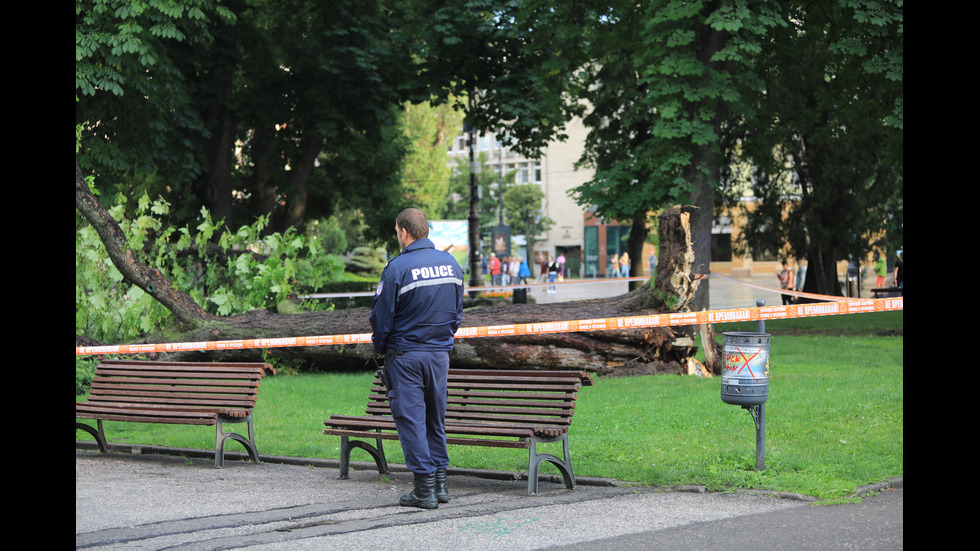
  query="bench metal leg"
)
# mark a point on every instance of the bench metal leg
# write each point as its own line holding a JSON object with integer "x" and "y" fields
{"x": 535, "y": 459}
{"x": 221, "y": 437}
{"x": 377, "y": 452}
{"x": 98, "y": 434}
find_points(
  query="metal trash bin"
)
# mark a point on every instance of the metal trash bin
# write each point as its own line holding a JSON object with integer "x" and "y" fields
{"x": 745, "y": 373}
{"x": 520, "y": 295}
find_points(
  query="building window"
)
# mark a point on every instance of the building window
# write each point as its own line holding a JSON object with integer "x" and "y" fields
{"x": 522, "y": 173}
{"x": 591, "y": 251}
{"x": 721, "y": 247}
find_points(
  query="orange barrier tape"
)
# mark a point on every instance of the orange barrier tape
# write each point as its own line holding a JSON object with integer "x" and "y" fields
{"x": 764, "y": 313}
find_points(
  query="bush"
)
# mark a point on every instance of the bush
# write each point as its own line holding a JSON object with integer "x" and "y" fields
{"x": 367, "y": 261}
{"x": 84, "y": 370}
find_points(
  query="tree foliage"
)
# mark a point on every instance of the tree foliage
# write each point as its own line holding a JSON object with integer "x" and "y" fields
{"x": 488, "y": 191}
{"x": 826, "y": 146}
{"x": 522, "y": 204}
{"x": 427, "y": 172}
{"x": 250, "y": 108}
{"x": 226, "y": 272}
{"x": 674, "y": 93}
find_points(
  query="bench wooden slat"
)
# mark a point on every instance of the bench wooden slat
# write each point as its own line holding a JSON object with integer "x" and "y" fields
{"x": 515, "y": 374}
{"x": 175, "y": 404}
{"x": 187, "y": 393}
{"x": 90, "y": 407}
{"x": 450, "y": 439}
{"x": 180, "y": 416}
{"x": 514, "y": 387}
{"x": 175, "y": 384}
{"x": 177, "y": 400}
{"x": 356, "y": 427}
{"x": 247, "y": 367}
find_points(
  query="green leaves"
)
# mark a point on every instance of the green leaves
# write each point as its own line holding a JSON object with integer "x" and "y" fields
{"x": 226, "y": 272}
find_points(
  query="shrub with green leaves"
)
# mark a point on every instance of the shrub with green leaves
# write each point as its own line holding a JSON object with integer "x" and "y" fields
{"x": 226, "y": 272}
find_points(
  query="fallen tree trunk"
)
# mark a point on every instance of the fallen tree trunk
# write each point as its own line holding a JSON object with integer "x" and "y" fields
{"x": 628, "y": 351}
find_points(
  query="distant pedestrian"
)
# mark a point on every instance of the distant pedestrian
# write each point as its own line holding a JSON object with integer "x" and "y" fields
{"x": 786, "y": 281}
{"x": 552, "y": 274}
{"x": 494, "y": 269}
{"x": 523, "y": 272}
{"x": 800, "y": 274}
{"x": 900, "y": 271}
{"x": 880, "y": 271}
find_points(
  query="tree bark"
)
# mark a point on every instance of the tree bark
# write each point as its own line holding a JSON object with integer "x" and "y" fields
{"x": 627, "y": 351}
{"x": 217, "y": 182}
{"x": 295, "y": 213}
{"x": 262, "y": 190}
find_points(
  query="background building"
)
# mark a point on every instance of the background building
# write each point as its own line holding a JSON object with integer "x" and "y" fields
{"x": 587, "y": 241}
{"x": 576, "y": 234}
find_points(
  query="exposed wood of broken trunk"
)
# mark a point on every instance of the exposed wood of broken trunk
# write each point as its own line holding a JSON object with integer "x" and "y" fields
{"x": 627, "y": 351}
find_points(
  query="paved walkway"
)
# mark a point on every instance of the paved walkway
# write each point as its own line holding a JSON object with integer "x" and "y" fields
{"x": 725, "y": 293}
{"x": 153, "y": 502}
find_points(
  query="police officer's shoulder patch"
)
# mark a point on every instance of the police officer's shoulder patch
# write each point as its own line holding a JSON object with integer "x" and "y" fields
{"x": 381, "y": 284}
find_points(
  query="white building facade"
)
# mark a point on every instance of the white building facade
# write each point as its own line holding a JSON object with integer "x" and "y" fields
{"x": 576, "y": 234}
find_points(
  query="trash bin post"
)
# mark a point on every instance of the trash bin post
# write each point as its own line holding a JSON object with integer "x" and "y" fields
{"x": 745, "y": 379}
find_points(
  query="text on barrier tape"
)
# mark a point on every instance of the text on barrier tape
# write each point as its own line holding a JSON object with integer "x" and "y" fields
{"x": 763, "y": 313}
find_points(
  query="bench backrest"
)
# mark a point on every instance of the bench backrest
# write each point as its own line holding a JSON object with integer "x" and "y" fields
{"x": 536, "y": 398}
{"x": 228, "y": 388}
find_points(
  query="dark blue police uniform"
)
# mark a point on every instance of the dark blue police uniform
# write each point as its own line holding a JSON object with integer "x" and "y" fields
{"x": 417, "y": 309}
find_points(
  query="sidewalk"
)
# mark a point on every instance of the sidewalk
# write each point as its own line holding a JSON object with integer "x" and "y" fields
{"x": 724, "y": 293}
{"x": 150, "y": 502}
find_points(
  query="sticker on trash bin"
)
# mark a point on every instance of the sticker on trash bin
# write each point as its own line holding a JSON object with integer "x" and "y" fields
{"x": 745, "y": 362}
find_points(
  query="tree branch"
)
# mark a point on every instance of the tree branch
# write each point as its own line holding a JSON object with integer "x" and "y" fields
{"x": 151, "y": 280}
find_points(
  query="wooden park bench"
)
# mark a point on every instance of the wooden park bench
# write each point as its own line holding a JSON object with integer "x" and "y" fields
{"x": 182, "y": 393}
{"x": 509, "y": 409}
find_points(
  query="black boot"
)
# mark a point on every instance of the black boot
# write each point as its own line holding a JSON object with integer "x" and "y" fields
{"x": 442, "y": 489}
{"x": 424, "y": 494}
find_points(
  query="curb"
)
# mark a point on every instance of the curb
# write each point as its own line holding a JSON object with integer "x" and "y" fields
{"x": 139, "y": 449}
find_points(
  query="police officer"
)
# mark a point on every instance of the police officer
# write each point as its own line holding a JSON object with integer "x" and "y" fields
{"x": 417, "y": 308}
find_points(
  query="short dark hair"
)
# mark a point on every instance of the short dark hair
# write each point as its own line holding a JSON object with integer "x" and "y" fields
{"x": 414, "y": 222}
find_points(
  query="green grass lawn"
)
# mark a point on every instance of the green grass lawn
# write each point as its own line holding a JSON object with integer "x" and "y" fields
{"x": 834, "y": 418}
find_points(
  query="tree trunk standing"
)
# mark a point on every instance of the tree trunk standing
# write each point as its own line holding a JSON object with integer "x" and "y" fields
{"x": 704, "y": 171}
{"x": 702, "y": 218}
{"x": 821, "y": 274}
{"x": 295, "y": 214}
{"x": 218, "y": 185}
{"x": 626, "y": 351}
{"x": 262, "y": 190}
{"x": 638, "y": 236}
